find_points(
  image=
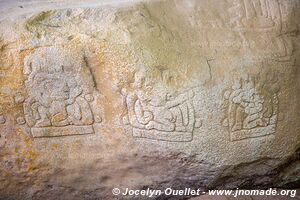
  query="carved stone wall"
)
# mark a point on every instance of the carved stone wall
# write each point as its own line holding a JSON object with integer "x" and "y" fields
{"x": 135, "y": 94}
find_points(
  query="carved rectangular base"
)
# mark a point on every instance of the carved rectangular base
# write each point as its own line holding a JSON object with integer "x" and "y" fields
{"x": 164, "y": 136}
{"x": 61, "y": 131}
{"x": 253, "y": 133}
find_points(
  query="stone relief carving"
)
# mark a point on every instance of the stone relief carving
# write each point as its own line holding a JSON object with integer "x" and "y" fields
{"x": 262, "y": 16}
{"x": 157, "y": 114}
{"x": 2, "y": 133}
{"x": 3, "y": 99}
{"x": 6, "y": 60}
{"x": 252, "y": 108}
{"x": 58, "y": 99}
{"x": 19, "y": 98}
{"x": 2, "y": 117}
{"x": 3, "y": 140}
{"x": 259, "y": 15}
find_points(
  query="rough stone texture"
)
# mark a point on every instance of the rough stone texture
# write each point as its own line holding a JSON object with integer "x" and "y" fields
{"x": 176, "y": 93}
{"x": 245, "y": 198}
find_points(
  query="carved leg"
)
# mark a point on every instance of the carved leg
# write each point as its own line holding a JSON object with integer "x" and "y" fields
{"x": 59, "y": 114}
{"x": 130, "y": 102}
{"x": 44, "y": 121}
{"x": 162, "y": 122}
{"x": 165, "y": 126}
{"x": 252, "y": 121}
{"x": 239, "y": 116}
{"x": 82, "y": 109}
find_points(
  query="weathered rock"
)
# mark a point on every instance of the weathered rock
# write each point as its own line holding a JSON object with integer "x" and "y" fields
{"x": 154, "y": 94}
{"x": 245, "y": 198}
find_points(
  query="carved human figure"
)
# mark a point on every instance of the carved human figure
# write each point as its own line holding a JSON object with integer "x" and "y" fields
{"x": 145, "y": 112}
{"x": 152, "y": 109}
{"x": 55, "y": 99}
{"x": 247, "y": 107}
{"x": 251, "y": 104}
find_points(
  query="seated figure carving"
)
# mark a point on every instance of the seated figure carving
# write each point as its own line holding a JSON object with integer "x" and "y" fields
{"x": 55, "y": 101}
{"x": 155, "y": 114}
{"x": 249, "y": 111}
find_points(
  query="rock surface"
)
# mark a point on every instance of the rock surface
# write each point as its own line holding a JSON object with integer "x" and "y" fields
{"x": 148, "y": 94}
{"x": 245, "y": 198}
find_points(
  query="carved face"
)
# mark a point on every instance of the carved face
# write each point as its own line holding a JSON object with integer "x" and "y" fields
{"x": 46, "y": 88}
{"x": 143, "y": 80}
{"x": 57, "y": 89}
{"x": 139, "y": 80}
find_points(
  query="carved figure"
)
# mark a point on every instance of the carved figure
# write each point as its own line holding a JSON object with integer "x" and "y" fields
{"x": 55, "y": 105}
{"x": 255, "y": 14}
{"x": 159, "y": 116}
{"x": 252, "y": 110}
{"x": 250, "y": 16}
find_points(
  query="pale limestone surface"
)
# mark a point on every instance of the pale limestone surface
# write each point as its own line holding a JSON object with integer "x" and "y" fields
{"x": 182, "y": 93}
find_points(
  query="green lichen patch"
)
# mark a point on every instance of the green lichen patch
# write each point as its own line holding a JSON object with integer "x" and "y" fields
{"x": 38, "y": 23}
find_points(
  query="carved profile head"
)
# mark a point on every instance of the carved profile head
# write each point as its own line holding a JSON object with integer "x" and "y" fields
{"x": 140, "y": 77}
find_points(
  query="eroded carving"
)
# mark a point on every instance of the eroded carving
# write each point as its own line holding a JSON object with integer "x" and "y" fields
{"x": 3, "y": 140}
{"x": 252, "y": 108}
{"x": 155, "y": 114}
{"x": 263, "y": 16}
{"x": 19, "y": 98}
{"x": 6, "y": 58}
{"x": 58, "y": 98}
{"x": 2, "y": 133}
{"x": 20, "y": 120}
{"x": 255, "y": 14}
{"x": 2, "y": 119}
